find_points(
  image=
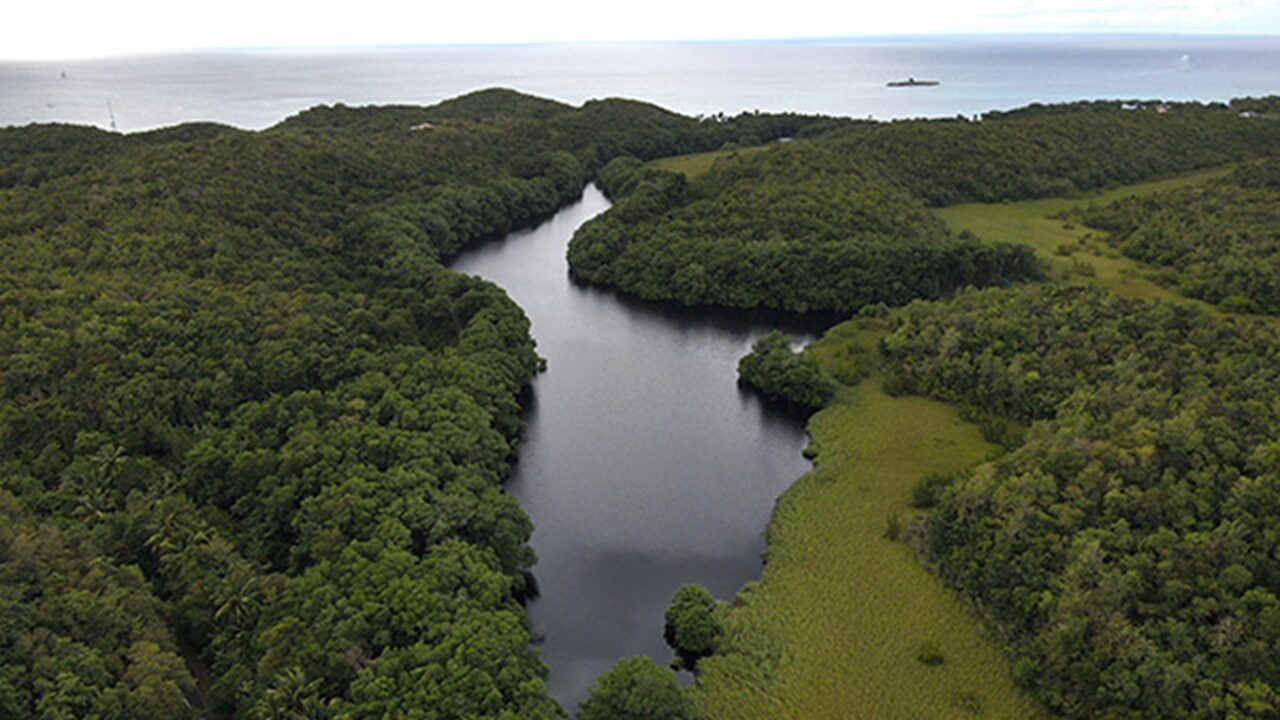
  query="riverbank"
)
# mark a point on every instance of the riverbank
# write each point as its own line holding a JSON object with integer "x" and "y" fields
{"x": 842, "y": 613}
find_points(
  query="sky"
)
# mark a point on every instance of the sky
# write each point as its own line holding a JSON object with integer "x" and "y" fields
{"x": 65, "y": 29}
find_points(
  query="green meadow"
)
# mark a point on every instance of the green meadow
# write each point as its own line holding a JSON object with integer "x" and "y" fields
{"x": 844, "y": 622}
{"x": 1073, "y": 250}
{"x": 1032, "y": 222}
{"x": 700, "y": 163}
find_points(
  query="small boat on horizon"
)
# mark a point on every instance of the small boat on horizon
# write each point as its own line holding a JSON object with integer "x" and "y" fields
{"x": 912, "y": 82}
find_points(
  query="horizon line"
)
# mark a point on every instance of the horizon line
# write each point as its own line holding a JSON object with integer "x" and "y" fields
{"x": 881, "y": 37}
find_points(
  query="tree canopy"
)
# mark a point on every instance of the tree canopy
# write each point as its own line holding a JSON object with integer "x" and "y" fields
{"x": 789, "y": 228}
{"x": 1128, "y": 547}
{"x": 692, "y": 625}
{"x": 635, "y": 689}
{"x": 778, "y": 372}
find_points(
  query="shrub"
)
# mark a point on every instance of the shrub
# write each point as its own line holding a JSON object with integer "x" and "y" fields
{"x": 930, "y": 654}
{"x": 692, "y": 624}
{"x": 635, "y": 689}
{"x": 779, "y": 373}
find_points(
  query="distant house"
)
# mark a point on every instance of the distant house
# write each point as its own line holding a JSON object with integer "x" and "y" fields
{"x": 423, "y": 126}
{"x": 1249, "y": 114}
{"x": 1162, "y": 108}
{"x": 1130, "y": 106}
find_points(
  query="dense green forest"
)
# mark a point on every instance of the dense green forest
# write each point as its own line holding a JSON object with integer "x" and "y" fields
{"x": 1129, "y": 547}
{"x": 1219, "y": 241}
{"x": 1257, "y": 105}
{"x": 792, "y": 228}
{"x": 253, "y": 433}
{"x": 841, "y": 221}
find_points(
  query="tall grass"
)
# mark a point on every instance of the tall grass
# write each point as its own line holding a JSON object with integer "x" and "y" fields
{"x": 839, "y": 622}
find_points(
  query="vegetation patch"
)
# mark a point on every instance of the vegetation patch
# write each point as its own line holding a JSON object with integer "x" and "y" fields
{"x": 1219, "y": 241}
{"x": 1034, "y": 223}
{"x": 698, "y": 164}
{"x": 774, "y": 369}
{"x": 839, "y": 221}
{"x": 693, "y": 626}
{"x": 840, "y": 612}
{"x": 790, "y": 228}
{"x": 635, "y": 689}
{"x": 930, "y": 654}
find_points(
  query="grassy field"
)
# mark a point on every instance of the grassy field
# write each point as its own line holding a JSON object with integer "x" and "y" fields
{"x": 1029, "y": 222}
{"x": 694, "y": 165}
{"x": 834, "y": 626}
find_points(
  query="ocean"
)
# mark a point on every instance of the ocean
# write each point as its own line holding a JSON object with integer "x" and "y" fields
{"x": 256, "y": 89}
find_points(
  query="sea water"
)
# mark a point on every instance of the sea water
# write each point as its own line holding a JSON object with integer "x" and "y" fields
{"x": 256, "y": 89}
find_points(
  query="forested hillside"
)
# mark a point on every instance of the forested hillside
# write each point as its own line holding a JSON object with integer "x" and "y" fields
{"x": 253, "y": 433}
{"x": 841, "y": 221}
{"x": 1044, "y": 154}
{"x": 793, "y": 228}
{"x": 1219, "y": 241}
{"x": 597, "y": 132}
{"x": 1129, "y": 547}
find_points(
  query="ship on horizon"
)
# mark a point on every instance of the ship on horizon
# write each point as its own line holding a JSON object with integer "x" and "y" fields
{"x": 912, "y": 82}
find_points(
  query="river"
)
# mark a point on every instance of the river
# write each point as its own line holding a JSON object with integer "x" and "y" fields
{"x": 643, "y": 465}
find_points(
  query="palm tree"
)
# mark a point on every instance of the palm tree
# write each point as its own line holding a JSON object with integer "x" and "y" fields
{"x": 290, "y": 697}
{"x": 241, "y": 599}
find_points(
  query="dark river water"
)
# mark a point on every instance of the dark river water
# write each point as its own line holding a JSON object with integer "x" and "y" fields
{"x": 643, "y": 465}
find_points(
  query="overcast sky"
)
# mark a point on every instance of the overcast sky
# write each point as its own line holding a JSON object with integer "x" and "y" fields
{"x": 56, "y": 29}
